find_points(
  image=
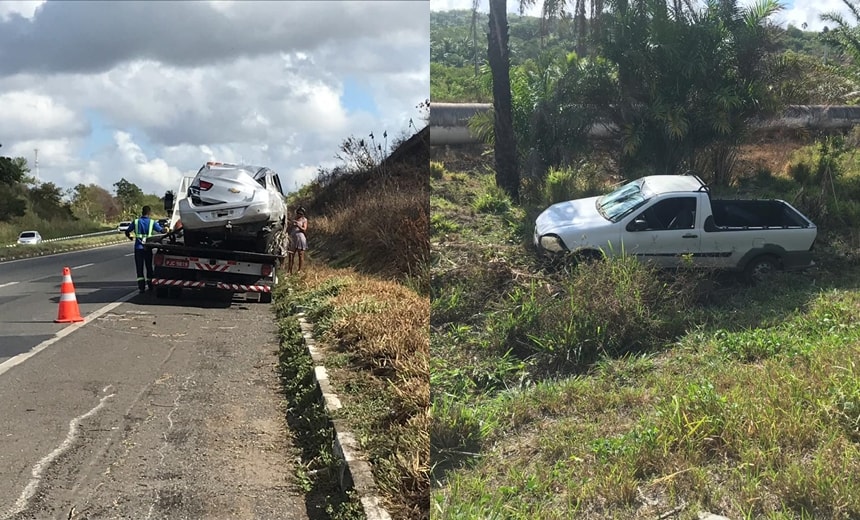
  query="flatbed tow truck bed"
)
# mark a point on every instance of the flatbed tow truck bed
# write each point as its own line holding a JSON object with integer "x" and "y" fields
{"x": 177, "y": 266}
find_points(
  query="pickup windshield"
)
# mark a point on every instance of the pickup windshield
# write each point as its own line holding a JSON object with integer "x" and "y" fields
{"x": 618, "y": 204}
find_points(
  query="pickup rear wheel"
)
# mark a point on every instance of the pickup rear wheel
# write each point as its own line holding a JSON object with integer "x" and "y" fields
{"x": 760, "y": 268}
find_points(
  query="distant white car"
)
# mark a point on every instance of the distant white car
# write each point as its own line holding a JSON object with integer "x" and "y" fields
{"x": 29, "y": 237}
{"x": 123, "y": 226}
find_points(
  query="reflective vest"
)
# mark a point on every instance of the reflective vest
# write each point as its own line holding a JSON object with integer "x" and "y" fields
{"x": 139, "y": 236}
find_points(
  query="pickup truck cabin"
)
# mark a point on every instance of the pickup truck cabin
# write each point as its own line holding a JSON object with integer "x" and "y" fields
{"x": 665, "y": 218}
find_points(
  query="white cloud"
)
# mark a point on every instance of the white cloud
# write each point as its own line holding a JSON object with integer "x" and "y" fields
{"x": 809, "y": 13}
{"x": 24, "y": 8}
{"x": 150, "y": 91}
{"x": 29, "y": 115}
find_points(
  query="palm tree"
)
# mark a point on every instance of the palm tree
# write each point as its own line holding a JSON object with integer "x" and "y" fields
{"x": 507, "y": 172}
{"x": 686, "y": 81}
{"x": 845, "y": 37}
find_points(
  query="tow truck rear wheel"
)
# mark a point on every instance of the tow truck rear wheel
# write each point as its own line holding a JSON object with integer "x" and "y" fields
{"x": 174, "y": 292}
{"x": 265, "y": 297}
{"x": 161, "y": 291}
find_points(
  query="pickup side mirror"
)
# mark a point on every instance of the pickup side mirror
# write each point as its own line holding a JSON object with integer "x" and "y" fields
{"x": 638, "y": 224}
{"x": 168, "y": 202}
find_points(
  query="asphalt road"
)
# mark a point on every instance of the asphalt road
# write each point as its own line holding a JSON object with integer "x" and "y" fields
{"x": 30, "y": 292}
{"x": 150, "y": 409}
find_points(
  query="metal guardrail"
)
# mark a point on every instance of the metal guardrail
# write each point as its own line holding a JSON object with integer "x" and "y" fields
{"x": 71, "y": 237}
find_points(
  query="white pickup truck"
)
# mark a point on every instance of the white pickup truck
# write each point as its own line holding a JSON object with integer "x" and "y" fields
{"x": 664, "y": 218}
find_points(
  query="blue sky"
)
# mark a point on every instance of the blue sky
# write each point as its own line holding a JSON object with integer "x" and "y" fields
{"x": 101, "y": 135}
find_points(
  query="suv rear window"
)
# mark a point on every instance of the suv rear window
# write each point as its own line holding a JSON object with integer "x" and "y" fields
{"x": 27, "y": 234}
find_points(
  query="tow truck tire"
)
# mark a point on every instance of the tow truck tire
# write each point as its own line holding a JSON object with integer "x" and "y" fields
{"x": 174, "y": 292}
{"x": 161, "y": 291}
{"x": 265, "y": 297}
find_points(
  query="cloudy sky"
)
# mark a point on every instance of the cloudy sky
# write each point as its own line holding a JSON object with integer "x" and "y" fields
{"x": 795, "y": 12}
{"x": 149, "y": 91}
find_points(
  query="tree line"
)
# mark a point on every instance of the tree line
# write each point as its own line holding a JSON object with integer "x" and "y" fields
{"x": 22, "y": 195}
{"x": 679, "y": 83}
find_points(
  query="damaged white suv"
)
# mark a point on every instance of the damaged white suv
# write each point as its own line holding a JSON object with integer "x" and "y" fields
{"x": 231, "y": 202}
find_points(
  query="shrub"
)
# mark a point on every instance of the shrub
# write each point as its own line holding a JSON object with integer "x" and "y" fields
{"x": 559, "y": 186}
{"x": 801, "y": 172}
{"x": 494, "y": 200}
{"x": 457, "y": 431}
{"x": 463, "y": 293}
{"x": 437, "y": 170}
{"x": 607, "y": 307}
{"x": 567, "y": 184}
{"x": 442, "y": 225}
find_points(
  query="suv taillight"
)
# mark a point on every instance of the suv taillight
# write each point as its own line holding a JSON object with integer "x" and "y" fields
{"x": 266, "y": 270}
{"x": 205, "y": 185}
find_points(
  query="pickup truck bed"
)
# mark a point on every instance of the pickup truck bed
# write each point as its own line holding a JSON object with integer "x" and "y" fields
{"x": 753, "y": 214}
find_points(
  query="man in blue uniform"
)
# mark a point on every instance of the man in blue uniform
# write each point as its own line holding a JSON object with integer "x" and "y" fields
{"x": 143, "y": 228}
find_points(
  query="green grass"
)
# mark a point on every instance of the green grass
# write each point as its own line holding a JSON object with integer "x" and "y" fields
{"x": 307, "y": 418}
{"x": 372, "y": 335}
{"x": 614, "y": 391}
{"x": 47, "y": 248}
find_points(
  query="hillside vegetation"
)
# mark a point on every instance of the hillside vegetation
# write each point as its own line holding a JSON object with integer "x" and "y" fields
{"x": 365, "y": 289}
{"x": 612, "y": 390}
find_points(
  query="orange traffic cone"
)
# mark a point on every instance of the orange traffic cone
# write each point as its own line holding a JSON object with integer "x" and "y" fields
{"x": 69, "y": 311}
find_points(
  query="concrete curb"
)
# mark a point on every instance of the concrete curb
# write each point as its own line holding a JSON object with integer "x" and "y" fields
{"x": 355, "y": 472}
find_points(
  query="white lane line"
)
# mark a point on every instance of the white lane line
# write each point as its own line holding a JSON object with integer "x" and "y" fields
{"x": 130, "y": 254}
{"x": 20, "y": 358}
{"x": 40, "y": 466}
{"x": 2, "y": 285}
{"x": 82, "y": 266}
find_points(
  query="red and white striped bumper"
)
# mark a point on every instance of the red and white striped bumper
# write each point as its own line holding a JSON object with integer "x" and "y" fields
{"x": 235, "y": 287}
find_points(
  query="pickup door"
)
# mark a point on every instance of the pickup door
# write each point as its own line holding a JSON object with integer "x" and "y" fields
{"x": 664, "y": 229}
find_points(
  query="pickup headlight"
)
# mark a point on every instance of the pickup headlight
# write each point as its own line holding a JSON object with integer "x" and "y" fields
{"x": 552, "y": 243}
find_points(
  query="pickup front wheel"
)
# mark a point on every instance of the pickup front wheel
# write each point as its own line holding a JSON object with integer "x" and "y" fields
{"x": 760, "y": 268}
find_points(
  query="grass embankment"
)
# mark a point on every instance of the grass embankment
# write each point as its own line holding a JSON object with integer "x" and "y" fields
{"x": 610, "y": 390}
{"x": 49, "y": 230}
{"x": 364, "y": 290}
{"x": 47, "y": 248}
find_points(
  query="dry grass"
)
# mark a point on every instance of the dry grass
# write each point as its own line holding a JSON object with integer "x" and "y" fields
{"x": 375, "y": 331}
{"x": 387, "y": 227}
{"x": 366, "y": 288}
{"x": 377, "y": 220}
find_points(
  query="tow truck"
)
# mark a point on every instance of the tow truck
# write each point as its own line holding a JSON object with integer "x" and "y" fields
{"x": 177, "y": 266}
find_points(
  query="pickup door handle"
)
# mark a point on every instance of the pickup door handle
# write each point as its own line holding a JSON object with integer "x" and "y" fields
{"x": 688, "y": 235}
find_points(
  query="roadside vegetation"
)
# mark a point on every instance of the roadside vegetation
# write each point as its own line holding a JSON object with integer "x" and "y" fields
{"x": 365, "y": 290}
{"x": 609, "y": 389}
{"x": 27, "y": 204}
{"x": 613, "y": 390}
{"x": 48, "y": 248}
